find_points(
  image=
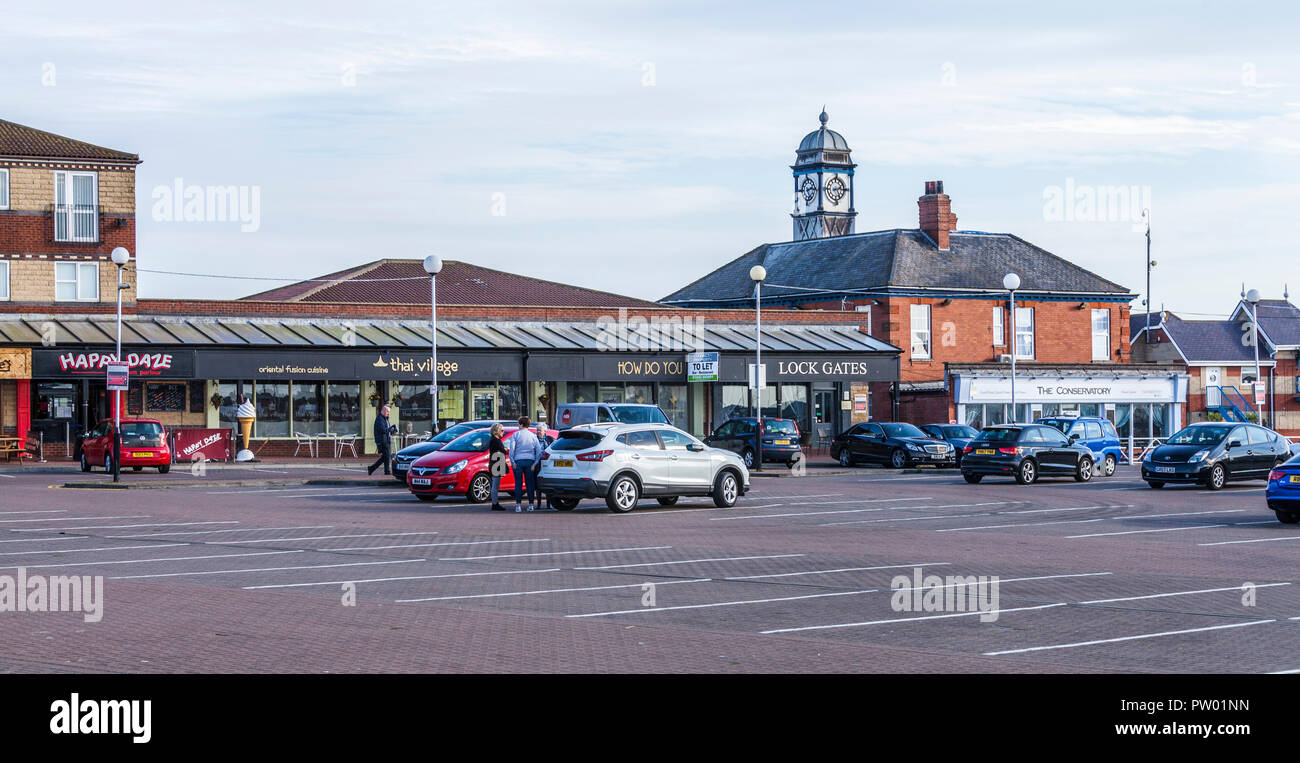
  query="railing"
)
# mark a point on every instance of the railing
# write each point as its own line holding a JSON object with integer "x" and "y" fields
{"x": 76, "y": 223}
{"x": 1233, "y": 406}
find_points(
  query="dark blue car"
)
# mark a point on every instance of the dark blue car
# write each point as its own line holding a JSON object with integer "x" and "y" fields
{"x": 956, "y": 435}
{"x": 1283, "y": 491}
{"x": 1097, "y": 434}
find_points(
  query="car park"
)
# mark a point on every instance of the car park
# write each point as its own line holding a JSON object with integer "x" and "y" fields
{"x": 1214, "y": 453}
{"x": 144, "y": 443}
{"x": 461, "y": 467}
{"x": 403, "y": 458}
{"x": 780, "y": 440}
{"x": 623, "y": 462}
{"x": 576, "y": 414}
{"x": 1283, "y": 491}
{"x": 1098, "y": 434}
{"x": 895, "y": 444}
{"x": 1026, "y": 452}
{"x": 956, "y": 435}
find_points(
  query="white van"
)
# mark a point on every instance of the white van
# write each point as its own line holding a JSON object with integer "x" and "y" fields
{"x": 573, "y": 414}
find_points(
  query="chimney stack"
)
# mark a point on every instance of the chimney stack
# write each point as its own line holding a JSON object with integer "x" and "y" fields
{"x": 937, "y": 218}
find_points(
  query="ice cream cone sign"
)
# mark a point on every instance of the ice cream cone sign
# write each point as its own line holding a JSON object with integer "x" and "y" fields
{"x": 246, "y": 414}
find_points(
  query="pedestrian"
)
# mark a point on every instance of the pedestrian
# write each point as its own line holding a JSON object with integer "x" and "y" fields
{"x": 540, "y": 431}
{"x": 498, "y": 464}
{"x": 382, "y": 432}
{"x": 524, "y": 452}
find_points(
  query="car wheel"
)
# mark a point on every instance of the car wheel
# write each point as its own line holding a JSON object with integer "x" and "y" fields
{"x": 164, "y": 468}
{"x": 898, "y": 459}
{"x": 85, "y": 465}
{"x": 973, "y": 478}
{"x": 1287, "y": 518}
{"x": 1155, "y": 484}
{"x": 560, "y": 503}
{"x": 1084, "y": 472}
{"x": 623, "y": 495}
{"x": 1108, "y": 466}
{"x": 748, "y": 458}
{"x": 667, "y": 500}
{"x": 427, "y": 498}
{"x": 846, "y": 459}
{"x": 1218, "y": 477}
{"x": 480, "y": 489}
{"x": 725, "y": 490}
{"x": 1027, "y": 473}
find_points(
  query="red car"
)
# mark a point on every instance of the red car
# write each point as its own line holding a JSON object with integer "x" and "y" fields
{"x": 144, "y": 443}
{"x": 461, "y": 468}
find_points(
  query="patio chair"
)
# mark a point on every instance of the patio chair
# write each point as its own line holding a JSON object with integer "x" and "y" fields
{"x": 304, "y": 440}
{"x": 347, "y": 441}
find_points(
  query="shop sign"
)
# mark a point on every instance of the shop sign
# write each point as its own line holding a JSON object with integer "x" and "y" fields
{"x": 53, "y": 363}
{"x": 15, "y": 363}
{"x": 1067, "y": 389}
{"x": 702, "y": 367}
{"x": 116, "y": 376}
{"x": 211, "y": 444}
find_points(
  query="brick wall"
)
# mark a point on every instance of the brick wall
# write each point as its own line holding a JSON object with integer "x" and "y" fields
{"x": 31, "y": 188}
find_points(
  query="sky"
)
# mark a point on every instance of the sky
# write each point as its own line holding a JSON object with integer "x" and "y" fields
{"x": 635, "y": 146}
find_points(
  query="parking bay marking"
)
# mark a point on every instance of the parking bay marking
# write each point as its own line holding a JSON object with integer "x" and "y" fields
{"x": 445, "y": 543}
{"x": 329, "y": 537}
{"x": 723, "y": 603}
{"x": 87, "y": 550}
{"x": 845, "y": 569}
{"x": 860, "y": 511}
{"x": 1138, "y": 532}
{"x": 407, "y": 577}
{"x": 71, "y": 519}
{"x": 1126, "y": 638}
{"x": 150, "y": 561}
{"x": 687, "y": 561}
{"x": 554, "y": 590}
{"x": 554, "y": 553}
{"x": 226, "y": 530}
{"x": 119, "y": 527}
{"x": 43, "y": 511}
{"x": 1252, "y": 540}
{"x": 1081, "y": 521}
{"x": 267, "y": 569}
{"x": 901, "y": 620}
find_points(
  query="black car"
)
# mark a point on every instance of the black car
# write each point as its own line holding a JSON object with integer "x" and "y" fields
{"x": 403, "y": 458}
{"x": 780, "y": 440}
{"x": 1212, "y": 453}
{"x": 895, "y": 444}
{"x": 1026, "y": 452}
{"x": 956, "y": 435}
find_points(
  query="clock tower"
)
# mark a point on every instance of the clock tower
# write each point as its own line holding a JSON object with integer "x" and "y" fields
{"x": 823, "y": 185}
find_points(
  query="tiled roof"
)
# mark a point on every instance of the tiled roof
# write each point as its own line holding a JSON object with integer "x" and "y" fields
{"x": 394, "y": 281}
{"x": 21, "y": 141}
{"x": 1202, "y": 341}
{"x": 1280, "y": 320}
{"x": 897, "y": 260}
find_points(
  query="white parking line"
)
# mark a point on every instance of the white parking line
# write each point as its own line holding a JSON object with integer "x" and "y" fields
{"x": 859, "y": 511}
{"x": 151, "y": 561}
{"x": 1071, "y": 508}
{"x": 71, "y": 519}
{"x": 554, "y": 553}
{"x": 900, "y": 620}
{"x": 1126, "y": 638}
{"x": 120, "y": 527}
{"x": 330, "y": 537}
{"x": 664, "y": 511}
{"x": 226, "y": 530}
{"x": 1139, "y": 532}
{"x": 1252, "y": 540}
{"x": 900, "y": 519}
{"x": 552, "y": 590}
{"x": 266, "y": 569}
{"x": 687, "y": 561}
{"x": 845, "y": 569}
{"x": 409, "y": 577}
{"x": 1178, "y": 593}
{"x": 1234, "y": 490}
{"x": 88, "y": 550}
{"x": 41, "y": 540}
{"x": 723, "y": 603}
{"x": 43, "y": 511}
{"x": 1085, "y": 521}
{"x": 445, "y": 543}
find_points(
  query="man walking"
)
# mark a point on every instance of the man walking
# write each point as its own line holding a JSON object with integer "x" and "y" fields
{"x": 382, "y": 430}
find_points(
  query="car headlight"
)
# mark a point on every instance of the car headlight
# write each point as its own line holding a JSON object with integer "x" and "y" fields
{"x": 461, "y": 464}
{"x": 914, "y": 446}
{"x": 1149, "y": 455}
{"x": 1199, "y": 456}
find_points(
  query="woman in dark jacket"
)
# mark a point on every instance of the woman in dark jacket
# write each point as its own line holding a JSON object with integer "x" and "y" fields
{"x": 498, "y": 464}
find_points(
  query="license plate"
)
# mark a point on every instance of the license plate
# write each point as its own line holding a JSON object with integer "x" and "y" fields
{"x": 1294, "y": 478}
{"x": 564, "y": 462}
{"x": 421, "y": 481}
{"x": 780, "y": 442}
{"x": 141, "y": 454}
{"x": 1165, "y": 469}
{"x": 983, "y": 451}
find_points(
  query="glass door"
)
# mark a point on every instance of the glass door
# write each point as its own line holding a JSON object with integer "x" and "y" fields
{"x": 484, "y": 403}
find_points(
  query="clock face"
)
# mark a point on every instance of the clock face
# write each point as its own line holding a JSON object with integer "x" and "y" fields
{"x": 809, "y": 189}
{"x": 835, "y": 190}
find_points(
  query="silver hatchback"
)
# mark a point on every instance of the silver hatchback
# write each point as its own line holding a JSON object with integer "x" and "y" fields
{"x": 623, "y": 462}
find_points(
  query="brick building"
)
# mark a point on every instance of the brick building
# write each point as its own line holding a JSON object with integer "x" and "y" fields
{"x": 937, "y": 292}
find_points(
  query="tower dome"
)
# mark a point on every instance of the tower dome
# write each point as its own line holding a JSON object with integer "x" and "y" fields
{"x": 823, "y": 185}
{"x": 822, "y": 139}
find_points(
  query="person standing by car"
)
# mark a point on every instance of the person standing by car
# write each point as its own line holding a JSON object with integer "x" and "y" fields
{"x": 524, "y": 452}
{"x": 498, "y": 464}
{"x": 536, "y": 477}
{"x": 382, "y": 432}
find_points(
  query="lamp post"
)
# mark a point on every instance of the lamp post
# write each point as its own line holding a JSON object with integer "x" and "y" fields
{"x": 1011, "y": 282}
{"x": 758, "y": 273}
{"x": 1252, "y": 297}
{"x": 432, "y": 266}
{"x": 120, "y": 257}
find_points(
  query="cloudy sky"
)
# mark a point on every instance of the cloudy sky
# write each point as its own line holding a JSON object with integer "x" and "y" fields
{"x": 634, "y": 146}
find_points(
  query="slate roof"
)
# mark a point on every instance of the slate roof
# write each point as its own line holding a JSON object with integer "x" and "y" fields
{"x": 20, "y": 141}
{"x": 893, "y": 260}
{"x": 1213, "y": 340}
{"x": 1279, "y": 320}
{"x": 392, "y": 281}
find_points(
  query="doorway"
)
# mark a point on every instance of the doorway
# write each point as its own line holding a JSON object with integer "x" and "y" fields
{"x": 1213, "y": 387}
{"x": 483, "y": 402}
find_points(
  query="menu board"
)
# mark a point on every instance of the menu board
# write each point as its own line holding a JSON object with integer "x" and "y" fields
{"x": 135, "y": 400}
{"x": 166, "y": 397}
{"x": 197, "y": 390}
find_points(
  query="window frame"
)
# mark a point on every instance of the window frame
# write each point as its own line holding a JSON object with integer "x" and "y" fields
{"x": 1015, "y": 326}
{"x": 999, "y": 327}
{"x": 5, "y": 201}
{"x": 76, "y": 281}
{"x": 1092, "y": 326}
{"x": 4, "y": 281}
{"x": 69, "y": 202}
{"x": 929, "y": 345}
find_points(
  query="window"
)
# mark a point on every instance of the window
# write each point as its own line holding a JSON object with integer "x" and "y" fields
{"x": 1101, "y": 334}
{"x": 4, "y": 279}
{"x": 308, "y": 407}
{"x": 675, "y": 440}
{"x": 672, "y": 399}
{"x": 643, "y": 440}
{"x": 167, "y": 397}
{"x": 1093, "y": 431}
{"x": 999, "y": 331}
{"x": 1025, "y": 332}
{"x": 735, "y": 400}
{"x": 76, "y": 282}
{"x": 921, "y": 332}
{"x": 76, "y": 206}
{"x": 272, "y": 401}
{"x": 412, "y": 402}
{"x": 1258, "y": 436}
{"x": 4, "y": 189}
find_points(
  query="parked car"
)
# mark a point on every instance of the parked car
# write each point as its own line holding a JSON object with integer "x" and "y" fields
{"x": 1283, "y": 491}
{"x": 1214, "y": 453}
{"x": 956, "y": 435}
{"x": 780, "y": 440}
{"x": 623, "y": 462}
{"x": 144, "y": 443}
{"x": 896, "y": 444}
{"x": 403, "y": 458}
{"x": 1026, "y": 452}
{"x": 461, "y": 468}
{"x": 1096, "y": 433}
{"x": 574, "y": 414}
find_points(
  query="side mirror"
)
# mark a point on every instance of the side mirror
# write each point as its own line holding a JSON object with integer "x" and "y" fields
{"x": 695, "y": 447}
{"x": 1074, "y": 438}
{"x": 1235, "y": 444}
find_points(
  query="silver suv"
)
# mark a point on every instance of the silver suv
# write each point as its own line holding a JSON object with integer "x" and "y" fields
{"x": 623, "y": 462}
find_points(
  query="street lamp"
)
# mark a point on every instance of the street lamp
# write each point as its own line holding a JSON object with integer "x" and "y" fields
{"x": 758, "y": 273}
{"x": 120, "y": 257}
{"x": 432, "y": 266}
{"x": 1011, "y": 282}
{"x": 1252, "y": 297}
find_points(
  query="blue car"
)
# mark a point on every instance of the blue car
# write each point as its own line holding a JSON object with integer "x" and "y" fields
{"x": 956, "y": 435}
{"x": 1097, "y": 434}
{"x": 1283, "y": 491}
